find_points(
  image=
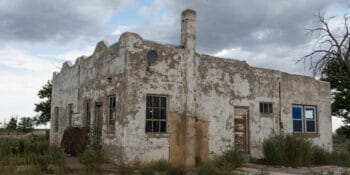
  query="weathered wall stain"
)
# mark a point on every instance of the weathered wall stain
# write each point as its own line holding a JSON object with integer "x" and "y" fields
{"x": 202, "y": 94}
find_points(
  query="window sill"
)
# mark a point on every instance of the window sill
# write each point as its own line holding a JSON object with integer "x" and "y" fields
{"x": 267, "y": 115}
{"x": 157, "y": 135}
{"x": 307, "y": 135}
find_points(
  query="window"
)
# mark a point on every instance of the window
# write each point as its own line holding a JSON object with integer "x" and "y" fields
{"x": 304, "y": 118}
{"x": 88, "y": 115}
{"x": 111, "y": 114}
{"x": 55, "y": 127}
{"x": 266, "y": 108}
{"x": 297, "y": 118}
{"x": 70, "y": 113}
{"x": 156, "y": 114}
{"x": 310, "y": 118}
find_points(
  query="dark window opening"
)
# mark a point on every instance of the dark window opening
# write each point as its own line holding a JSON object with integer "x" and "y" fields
{"x": 156, "y": 114}
{"x": 88, "y": 115}
{"x": 111, "y": 113}
{"x": 55, "y": 128}
{"x": 70, "y": 113}
{"x": 266, "y": 108}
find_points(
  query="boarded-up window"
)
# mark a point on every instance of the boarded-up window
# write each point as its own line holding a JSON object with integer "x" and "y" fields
{"x": 111, "y": 113}
{"x": 55, "y": 126}
{"x": 156, "y": 114}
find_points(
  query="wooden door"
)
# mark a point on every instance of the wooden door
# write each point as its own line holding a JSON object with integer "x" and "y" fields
{"x": 241, "y": 134}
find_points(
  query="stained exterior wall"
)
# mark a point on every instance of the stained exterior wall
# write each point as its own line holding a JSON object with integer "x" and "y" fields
{"x": 202, "y": 95}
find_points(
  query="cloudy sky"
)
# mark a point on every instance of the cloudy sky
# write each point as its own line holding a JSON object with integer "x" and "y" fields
{"x": 37, "y": 36}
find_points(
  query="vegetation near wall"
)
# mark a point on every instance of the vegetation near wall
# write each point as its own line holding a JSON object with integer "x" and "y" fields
{"x": 34, "y": 154}
{"x": 92, "y": 158}
{"x": 294, "y": 151}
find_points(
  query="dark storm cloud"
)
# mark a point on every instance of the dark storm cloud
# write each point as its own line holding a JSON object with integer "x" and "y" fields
{"x": 42, "y": 20}
{"x": 250, "y": 24}
{"x": 266, "y": 33}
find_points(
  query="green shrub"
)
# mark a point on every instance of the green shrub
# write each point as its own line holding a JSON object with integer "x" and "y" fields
{"x": 287, "y": 150}
{"x": 161, "y": 165}
{"x": 208, "y": 169}
{"x": 31, "y": 158}
{"x": 228, "y": 160}
{"x": 56, "y": 155}
{"x": 92, "y": 158}
{"x": 8, "y": 148}
{"x": 340, "y": 159}
{"x": 43, "y": 162}
{"x": 321, "y": 156}
{"x": 147, "y": 171}
{"x": 126, "y": 170}
{"x": 176, "y": 171}
{"x": 343, "y": 130}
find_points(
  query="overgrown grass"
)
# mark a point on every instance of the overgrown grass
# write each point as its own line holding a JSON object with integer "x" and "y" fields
{"x": 290, "y": 150}
{"x": 92, "y": 158}
{"x": 32, "y": 155}
{"x": 287, "y": 150}
{"x": 228, "y": 160}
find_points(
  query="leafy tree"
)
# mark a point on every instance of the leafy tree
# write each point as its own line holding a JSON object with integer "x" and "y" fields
{"x": 26, "y": 124}
{"x": 12, "y": 125}
{"x": 343, "y": 130}
{"x": 337, "y": 74}
{"x": 44, "y": 107}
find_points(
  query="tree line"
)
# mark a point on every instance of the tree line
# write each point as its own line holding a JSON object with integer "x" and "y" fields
{"x": 26, "y": 124}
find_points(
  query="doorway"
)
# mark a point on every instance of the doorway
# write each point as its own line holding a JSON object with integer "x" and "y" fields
{"x": 241, "y": 129}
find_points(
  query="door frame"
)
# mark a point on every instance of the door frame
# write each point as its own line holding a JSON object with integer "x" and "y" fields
{"x": 247, "y": 128}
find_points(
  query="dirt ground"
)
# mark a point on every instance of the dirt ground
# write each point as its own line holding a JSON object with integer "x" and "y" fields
{"x": 247, "y": 169}
{"x": 250, "y": 168}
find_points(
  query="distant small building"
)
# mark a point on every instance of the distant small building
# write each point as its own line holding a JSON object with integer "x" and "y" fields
{"x": 146, "y": 101}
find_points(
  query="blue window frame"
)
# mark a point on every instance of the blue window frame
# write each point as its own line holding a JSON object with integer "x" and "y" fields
{"x": 297, "y": 118}
{"x": 304, "y": 119}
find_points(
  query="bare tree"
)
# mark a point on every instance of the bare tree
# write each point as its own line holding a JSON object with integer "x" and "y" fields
{"x": 331, "y": 45}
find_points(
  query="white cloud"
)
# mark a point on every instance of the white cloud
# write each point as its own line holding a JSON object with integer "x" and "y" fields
{"x": 71, "y": 55}
{"x": 16, "y": 58}
{"x": 279, "y": 58}
{"x": 24, "y": 76}
{"x": 121, "y": 29}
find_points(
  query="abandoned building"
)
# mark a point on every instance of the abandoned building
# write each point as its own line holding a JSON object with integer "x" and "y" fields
{"x": 149, "y": 101}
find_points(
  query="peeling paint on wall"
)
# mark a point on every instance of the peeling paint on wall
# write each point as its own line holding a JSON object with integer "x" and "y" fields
{"x": 203, "y": 92}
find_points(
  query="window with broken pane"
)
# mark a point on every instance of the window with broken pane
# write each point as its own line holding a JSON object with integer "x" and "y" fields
{"x": 156, "y": 114}
{"x": 266, "y": 107}
{"x": 111, "y": 113}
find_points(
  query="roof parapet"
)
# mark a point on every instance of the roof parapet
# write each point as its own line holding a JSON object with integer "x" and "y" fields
{"x": 101, "y": 47}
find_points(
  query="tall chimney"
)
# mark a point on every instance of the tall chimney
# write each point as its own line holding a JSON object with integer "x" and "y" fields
{"x": 188, "y": 29}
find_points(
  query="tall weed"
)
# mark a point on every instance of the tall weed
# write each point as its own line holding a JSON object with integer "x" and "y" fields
{"x": 287, "y": 150}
